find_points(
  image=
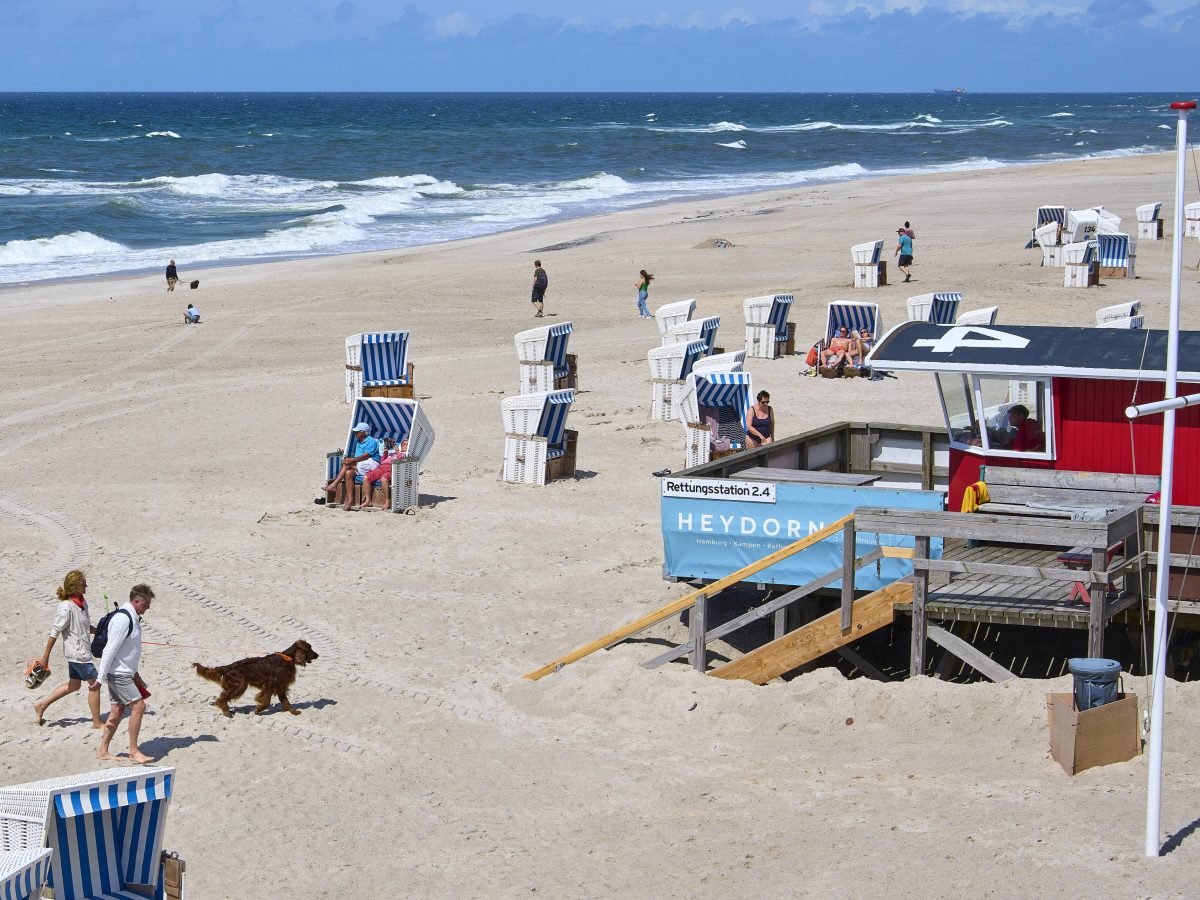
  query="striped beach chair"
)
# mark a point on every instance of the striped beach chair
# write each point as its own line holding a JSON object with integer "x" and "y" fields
{"x": 669, "y": 366}
{"x": 1115, "y": 255}
{"x": 23, "y": 873}
{"x": 1191, "y": 220}
{"x": 1150, "y": 223}
{"x": 720, "y": 362}
{"x": 940, "y": 308}
{"x": 695, "y": 330}
{"x": 1047, "y": 214}
{"x": 377, "y": 365}
{"x": 769, "y": 335}
{"x": 1117, "y": 312}
{"x": 713, "y": 410}
{"x": 1049, "y": 238}
{"x": 538, "y": 446}
{"x": 399, "y": 420}
{"x": 671, "y": 314}
{"x": 869, "y": 270}
{"x": 1079, "y": 264}
{"x": 985, "y": 316}
{"x": 105, "y": 830}
{"x": 545, "y": 363}
{"x": 1130, "y": 322}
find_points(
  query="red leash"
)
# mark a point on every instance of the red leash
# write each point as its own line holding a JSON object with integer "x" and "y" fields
{"x": 201, "y": 647}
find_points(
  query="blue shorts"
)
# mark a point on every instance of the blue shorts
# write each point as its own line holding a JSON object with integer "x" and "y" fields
{"x": 81, "y": 671}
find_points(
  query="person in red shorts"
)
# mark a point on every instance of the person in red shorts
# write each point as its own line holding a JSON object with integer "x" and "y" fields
{"x": 381, "y": 476}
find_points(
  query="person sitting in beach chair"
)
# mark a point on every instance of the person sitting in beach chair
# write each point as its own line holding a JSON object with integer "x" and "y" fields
{"x": 378, "y": 482}
{"x": 354, "y": 467}
{"x": 835, "y": 354}
{"x": 191, "y": 315}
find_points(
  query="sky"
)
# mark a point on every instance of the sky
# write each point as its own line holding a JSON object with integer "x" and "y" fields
{"x": 615, "y": 45}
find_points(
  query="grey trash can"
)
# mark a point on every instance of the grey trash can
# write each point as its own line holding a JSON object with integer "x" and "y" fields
{"x": 1095, "y": 681}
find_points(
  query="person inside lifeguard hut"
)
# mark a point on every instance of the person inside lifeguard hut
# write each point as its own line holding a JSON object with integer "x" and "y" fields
{"x": 1025, "y": 435}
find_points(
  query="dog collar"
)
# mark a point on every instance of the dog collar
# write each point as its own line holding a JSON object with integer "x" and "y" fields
{"x": 284, "y": 656}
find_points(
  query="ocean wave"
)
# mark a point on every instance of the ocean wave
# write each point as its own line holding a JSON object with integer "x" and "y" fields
{"x": 734, "y": 145}
{"x": 108, "y": 140}
{"x": 61, "y": 246}
{"x": 925, "y": 117}
{"x": 1122, "y": 152}
{"x": 1059, "y": 115}
{"x": 594, "y": 187}
{"x": 711, "y": 128}
{"x": 952, "y": 127}
{"x": 14, "y": 190}
{"x": 170, "y": 134}
{"x": 245, "y": 187}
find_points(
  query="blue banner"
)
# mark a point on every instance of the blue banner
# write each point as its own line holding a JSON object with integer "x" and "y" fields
{"x": 711, "y": 538}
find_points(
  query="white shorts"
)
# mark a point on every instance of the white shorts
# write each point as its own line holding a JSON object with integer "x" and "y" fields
{"x": 366, "y": 465}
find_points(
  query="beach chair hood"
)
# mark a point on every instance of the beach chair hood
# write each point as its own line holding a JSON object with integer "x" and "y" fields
{"x": 393, "y": 418}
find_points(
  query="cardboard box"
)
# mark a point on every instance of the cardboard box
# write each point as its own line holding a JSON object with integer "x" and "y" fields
{"x": 1095, "y": 737}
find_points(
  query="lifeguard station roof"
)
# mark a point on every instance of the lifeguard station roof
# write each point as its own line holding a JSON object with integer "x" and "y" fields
{"x": 1035, "y": 350}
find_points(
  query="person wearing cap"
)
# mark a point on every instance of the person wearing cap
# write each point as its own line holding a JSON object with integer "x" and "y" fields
{"x": 905, "y": 251}
{"x": 365, "y": 458}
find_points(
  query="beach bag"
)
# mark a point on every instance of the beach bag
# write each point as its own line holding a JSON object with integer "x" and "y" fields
{"x": 813, "y": 356}
{"x": 100, "y": 638}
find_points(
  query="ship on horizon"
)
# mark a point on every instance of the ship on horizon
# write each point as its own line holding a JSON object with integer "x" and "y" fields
{"x": 957, "y": 90}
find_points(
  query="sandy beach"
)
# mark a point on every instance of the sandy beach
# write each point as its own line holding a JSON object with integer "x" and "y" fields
{"x": 423, "y": 765}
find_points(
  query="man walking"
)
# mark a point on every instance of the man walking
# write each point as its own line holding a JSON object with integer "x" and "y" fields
{"x": 119, "y": 670}
{"x": 905, "y": 251}
{"x": 540, "y": 282}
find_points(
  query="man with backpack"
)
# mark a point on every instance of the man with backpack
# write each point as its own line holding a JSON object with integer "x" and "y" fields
{"x": 118, "y": 643}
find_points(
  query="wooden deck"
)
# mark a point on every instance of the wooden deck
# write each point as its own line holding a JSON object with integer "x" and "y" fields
{"x": 1009, "y": 601}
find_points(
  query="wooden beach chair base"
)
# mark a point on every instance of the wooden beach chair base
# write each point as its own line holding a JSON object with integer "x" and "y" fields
{"x": 391, "y": 391}
{"x": 1114, "y": 272}
{"x": 830, "y": 372}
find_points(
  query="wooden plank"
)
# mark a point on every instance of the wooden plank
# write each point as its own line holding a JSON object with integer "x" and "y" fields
{"x": 977, "y": 660}
{"x": 848, "y": 570}
{"x": 1004, "y": 493}
{"x": 977, "y": 526}
{"x": 817, "y": 638}
{"x": 863, "y": 665}
{"x": 920, "y": 593}
{"x": 1097, "y": 618}
{"x": 798, "y": 476}
{"x": 679, "y": 605}
{"x": 1181, "y": 516}
{"x": 1065, "y": 478}
{"x": 697, "y": 630}
{"x": 1058, "y": 573}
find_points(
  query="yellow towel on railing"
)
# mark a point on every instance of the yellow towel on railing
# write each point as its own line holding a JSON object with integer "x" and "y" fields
{"x": 973, "y": 496}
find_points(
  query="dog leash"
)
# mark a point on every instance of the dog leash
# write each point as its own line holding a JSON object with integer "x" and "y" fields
{"x": 202, "y": 647}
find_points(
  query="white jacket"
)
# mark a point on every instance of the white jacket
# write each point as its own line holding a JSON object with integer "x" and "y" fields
{"x": 123, "y": 652}
{"x": 73, "y": 627}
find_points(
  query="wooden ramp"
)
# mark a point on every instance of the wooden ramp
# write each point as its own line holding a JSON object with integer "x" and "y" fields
{"x": 814, "y": 640}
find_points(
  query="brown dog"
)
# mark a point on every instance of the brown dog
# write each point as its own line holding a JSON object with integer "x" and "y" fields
{"x": 272, "y": 675}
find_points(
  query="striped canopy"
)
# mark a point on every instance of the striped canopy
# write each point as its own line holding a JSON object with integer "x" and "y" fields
{"x": 708, "y": 332}
{"x": 23, "y": 873}
{"x": 1113, "y": 250}
{"x": 554, "y": 415}
{"x": 868, "y": 253}
{"x": 855, "y": 316}
{"x": 695, "y": 350}
{"x": 779, "y": 315}
{"x": 724, "y": 389}
{"x": 556, "y": 346}
{"x": 384, "y": 358}
{"x": 944, "y": 308}
{"x": 391, "y": 419}
{"x": 1047, "y": 214}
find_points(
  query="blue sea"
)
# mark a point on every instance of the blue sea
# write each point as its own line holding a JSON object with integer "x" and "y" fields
{"x": 96, "y": 183}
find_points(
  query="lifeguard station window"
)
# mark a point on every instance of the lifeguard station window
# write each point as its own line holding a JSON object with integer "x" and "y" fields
{"x": 995, "y": 416}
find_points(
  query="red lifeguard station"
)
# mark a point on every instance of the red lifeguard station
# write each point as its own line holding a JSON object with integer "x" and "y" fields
{"x": 1074, "y": 385}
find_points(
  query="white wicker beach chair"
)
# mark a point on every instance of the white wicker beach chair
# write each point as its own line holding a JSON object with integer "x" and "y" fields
{"x": 545, "y": 363}
{"x": 105, "y": 830}
{"x": 695, "y": 330}
{"x": 712, "y": 408}
{"x": 1150, "y": 223}
{"x": 1118, "y": 311}
{"x": 720, "y": 362}
{"x": 1082, "y": 225}
{"x": 1049, "y": 238}
{"x": 768, "y": 332}
{"x": 1130, "y": 322}
{"x": 939, "y": 308}
{"x": 669, "y": 366}
{"x": 23, "y": 873}
{"x": 399, "y": 420}
{"x": 1079, "y": 264}
{"x": 538, "y": 447}
{"x": 1115, "y": 255}
{"x": 869, "y": 270}
{"x": 1191, "y": 220}
{"x": 671, "y": 314}
{"x": 377, "y": 365}
{"x": 1107, "y": 222}
{"x": 985, "y": 316}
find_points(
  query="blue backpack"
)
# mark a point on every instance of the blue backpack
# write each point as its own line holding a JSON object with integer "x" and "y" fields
{"x": 100, "y": 638}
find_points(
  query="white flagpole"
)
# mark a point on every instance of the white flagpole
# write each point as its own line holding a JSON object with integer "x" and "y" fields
{"x": 1154, "y": 786}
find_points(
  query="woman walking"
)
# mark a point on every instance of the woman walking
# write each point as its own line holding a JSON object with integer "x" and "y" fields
{"x": 643, "y": 289}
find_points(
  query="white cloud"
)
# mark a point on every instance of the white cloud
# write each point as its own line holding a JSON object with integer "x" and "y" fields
{"x": 457, "y": 24}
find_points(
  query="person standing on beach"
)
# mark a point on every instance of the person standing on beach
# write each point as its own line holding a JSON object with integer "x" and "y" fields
{"x": 119, "y": 671}
{"x": 73, "y": 625}
{"x": 540, "y": 283}
{"x": 904, "y": 250}
{"x": 909, "y": 230}
{"x": 172, "y": 276}
{"x": 643, "y": 289}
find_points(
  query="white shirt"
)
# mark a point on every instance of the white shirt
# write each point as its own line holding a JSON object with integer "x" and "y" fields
{"x": 123, "y": 652}
{"x": 73, "y": 627}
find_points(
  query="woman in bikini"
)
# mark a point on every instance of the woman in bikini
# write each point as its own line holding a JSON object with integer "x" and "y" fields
{"x": 760, "y": 421}
{"x": 838, "y": 349}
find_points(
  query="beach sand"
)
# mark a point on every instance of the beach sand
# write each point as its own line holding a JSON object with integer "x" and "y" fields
{"x": 422, "y": 765}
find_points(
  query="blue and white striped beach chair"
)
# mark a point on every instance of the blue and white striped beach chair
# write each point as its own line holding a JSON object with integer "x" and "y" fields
{"x": 1047, "y": 214}
{"x": 768, "y": 335}
{"x": 939, "y": 308}
{"x": 105, "y": 830}
{"x": 713, "y": 409}
{"x": 1191, "y": 220}
{"x": 669, "y": 366}
{"x": 720, "y": 362}
{"x": 538, "y": 446}
{"x": 23, "y": 873}
{"x": 545, "y": 363}
{"x": 869, "y": 270}
{"x": 1116, "y": 254}
{"x": 985, "y": 316}
{"x": 1150, "y": 223}
{"x": 855, "y": 316}
{"x": 399, "y": 420}
{"x": 695, "y": 330}
{"x": 1079, "y": 264}
{"x": 669, "y": 315}
{"x": 377, "y": 365}
{"x": 1117, "y": 311}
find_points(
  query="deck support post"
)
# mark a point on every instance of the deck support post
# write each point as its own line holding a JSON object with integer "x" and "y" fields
{"x": 849, "y": 541}
{"x": 1098, "y": 592}
{"x": 698, "y": 628}
{"x": 920, "y": 593}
